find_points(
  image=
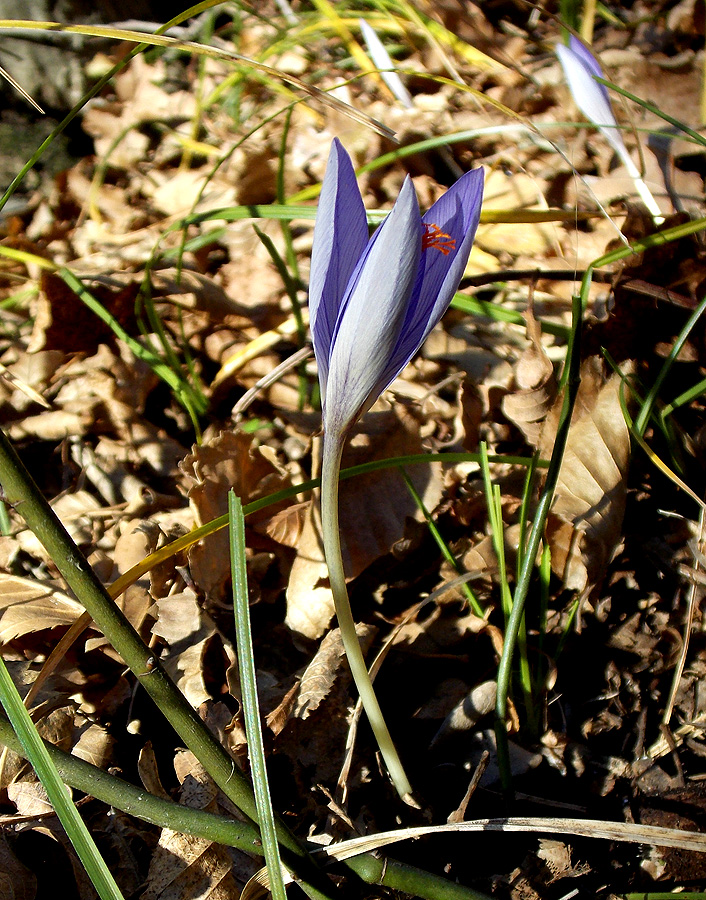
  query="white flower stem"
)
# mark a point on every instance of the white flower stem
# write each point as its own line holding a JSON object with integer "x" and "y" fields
{"x": 331, "y": 465}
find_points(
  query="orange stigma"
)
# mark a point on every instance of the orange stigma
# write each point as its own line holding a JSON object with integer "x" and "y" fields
{"x": 434, "y": 237}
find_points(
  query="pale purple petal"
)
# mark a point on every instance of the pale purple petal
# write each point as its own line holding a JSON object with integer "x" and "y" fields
{"x": 587, "y": 58}
{"x": 592, "y": 98}
{"x": 455, "y": 215}
{"x": 372, "y": 314}
{"x": 340, "y": 237}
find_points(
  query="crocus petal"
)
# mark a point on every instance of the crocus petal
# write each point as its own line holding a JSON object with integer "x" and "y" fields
{"x": 372, "y": 314}
{"x": 588, "y": 59}
{"x": 455, "y": 218}
{"x": 340, "y": 237}
{"x": 592, "y": 98}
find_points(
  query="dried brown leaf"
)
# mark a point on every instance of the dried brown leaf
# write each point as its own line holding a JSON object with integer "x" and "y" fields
{"x": 64, "y": 322}
{"x": 27, "y": 606}
{"x": 30, "y": 798}
{"x": 529, "y": 404}
{"x": 95, "y": 746}
{"x": 137, "y": 540}
{"x": 321, "y": 672}
{"x": 556, "y": 856}
{"x": 286, "y": 526}
{"x": 584, "y": 526}
{"x": 183, "y": 866}
{"x": 149, "y": 772}
{"x": 224, "y": 461}
{"x": 189, "y": 632}
{"x": 510, "y": 191}
{"x": 31, "y": 369}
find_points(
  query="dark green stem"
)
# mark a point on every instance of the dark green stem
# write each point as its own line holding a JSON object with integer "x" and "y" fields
{"x": 22, "y": 493}
{"x": 166, "y": 814}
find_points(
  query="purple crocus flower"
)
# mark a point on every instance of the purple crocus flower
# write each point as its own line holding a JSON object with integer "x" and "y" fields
{"x": 581, "y": 69}
{"x": 373, "y": 302}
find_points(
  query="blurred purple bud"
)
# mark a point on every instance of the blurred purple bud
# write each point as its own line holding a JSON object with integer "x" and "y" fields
{"x": 580, "y": 67}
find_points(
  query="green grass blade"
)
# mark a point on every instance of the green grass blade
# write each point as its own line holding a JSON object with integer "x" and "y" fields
{"x": 649, "y": 402}
{"x": 251, "y": 706}
{"x": 651, "y": 107}
{"x": 475, "y": 307}
{"x": 182, "y": 390}
{"x": 42, "y": 764}
{"x": 571, "y": 380}
{"x": 442, "y": 545}
{"x": 497, "y": 531}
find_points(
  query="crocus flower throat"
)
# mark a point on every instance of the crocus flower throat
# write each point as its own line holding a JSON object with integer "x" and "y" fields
{"x": 434, "y": 237}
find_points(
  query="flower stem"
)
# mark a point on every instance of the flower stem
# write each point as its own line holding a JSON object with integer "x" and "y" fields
{"x": 330, "y": 470}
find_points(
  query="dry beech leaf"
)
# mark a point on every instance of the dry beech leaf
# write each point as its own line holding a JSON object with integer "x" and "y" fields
{"x": 192, "y": 290}
{"x": 372, "y": 509}
{"x": 584, "y": 525}
{"x": 286, "y": 526}
{"x": 277, "y": 718}
{"x": 27, "y": 605}
{"x": 515, "y": 191}
{"x": 106, "y": 386}
{"x": 320, "y": 674}
{"x": 309, "y": 598}
{"x": 177, "y": 193}
{"x": 95, "y": 746}
{"x": 220, "y": 463}
{"x": 30, "y": 798}
{"x": 140, "y": 99}
{"x": 535, "y": 384}
{"x": 556, "y": 856}
{"x": 189, "y": 632}
{"x": 32, "y": 369}
{"x": 64, "y": 322}
{"x": 148, "y": 771}
{"x": 137, "y": 540}
{"x": 183, "y": 866}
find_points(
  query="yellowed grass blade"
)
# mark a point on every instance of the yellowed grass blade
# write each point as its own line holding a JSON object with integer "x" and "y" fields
{"x": 161, "y": 40}
{"x": 628, "y": 832}
{"x": 20, "y": 90}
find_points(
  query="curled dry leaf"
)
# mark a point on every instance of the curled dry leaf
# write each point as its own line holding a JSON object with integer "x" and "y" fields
{"x": 478, "y": 703}
{"x": 584, "y": 526}
{"x": 30, "y": 798}
{"x": 535, "y": 385}
{"x": 94, "y": 745}
{"x": 137, "y": 540}
{"x": 184, "y": 866}
{"x": 321, "y": 672}
{"x": 556, "y": 856}
{"x": 64, "y": 322}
